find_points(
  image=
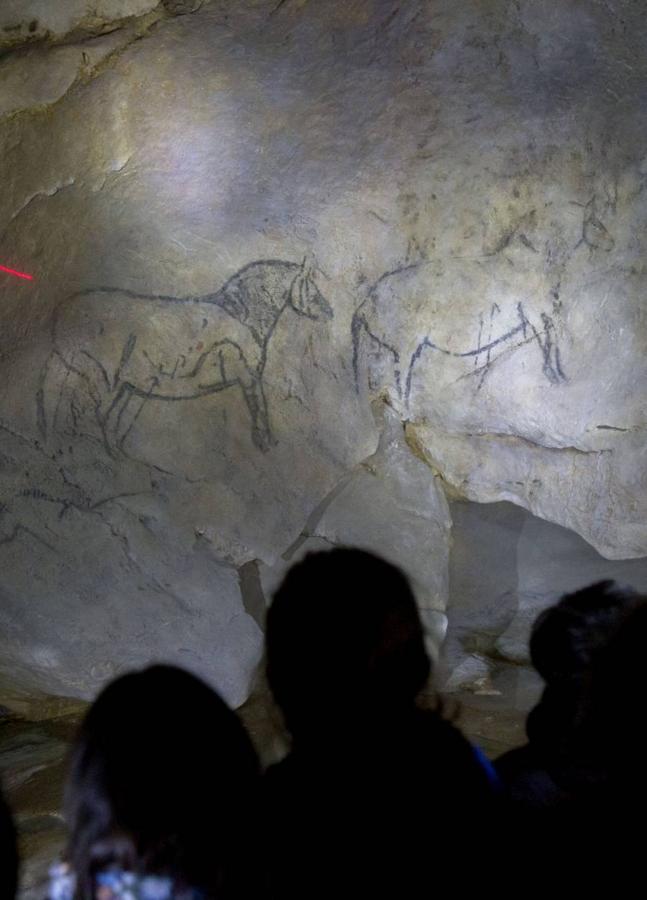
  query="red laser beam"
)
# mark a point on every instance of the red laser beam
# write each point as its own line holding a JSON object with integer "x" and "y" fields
{"x": 17, "y": 274}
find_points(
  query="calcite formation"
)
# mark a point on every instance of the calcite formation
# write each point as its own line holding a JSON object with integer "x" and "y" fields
{"x": 300, "y": 269}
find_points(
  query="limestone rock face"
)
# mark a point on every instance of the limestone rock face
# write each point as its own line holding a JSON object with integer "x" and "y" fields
{"x": 31, "y": 20}
{"x": 389, "y": 505}
{"x": 507, "y": 566}
{"x": 581, "y": 489}
{"x": 247, "y": 223}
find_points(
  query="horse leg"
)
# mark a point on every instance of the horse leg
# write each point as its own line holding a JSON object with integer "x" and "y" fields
{"x": 52, "y": 391}
{"x": 123, "y": 412}
{"x": 383, "y": 366}
{"x": 234, "y": 368}
{"x": 257, "y": 405}
{"x": 357, "y": 327}
{"x": 130, "y": 412}
{"x": 552, "y": 368}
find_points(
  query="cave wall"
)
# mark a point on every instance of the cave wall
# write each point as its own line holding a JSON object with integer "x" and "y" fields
{"x": 506, "y": 566}
{"x": 301, "y": 271}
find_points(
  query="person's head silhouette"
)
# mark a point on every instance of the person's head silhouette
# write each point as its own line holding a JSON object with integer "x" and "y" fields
{"x": 344, "y": 641}
{"x": 564, "y": 643}
{"x": 566, "y": 636}
{"x": 161, "y": 782}
{"x": 615, "y": 711}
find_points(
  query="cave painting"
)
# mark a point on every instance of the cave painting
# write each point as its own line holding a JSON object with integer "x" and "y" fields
{"x": 380, "y": 327}
{"x": 115, "y": 350}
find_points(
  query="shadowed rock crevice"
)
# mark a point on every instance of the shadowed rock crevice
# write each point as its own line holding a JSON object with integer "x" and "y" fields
{"x": 251, "y": 591}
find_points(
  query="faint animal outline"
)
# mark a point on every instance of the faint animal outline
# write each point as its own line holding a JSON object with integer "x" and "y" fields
{"x": 527, "y": 331}
{"x": 251, "y": 301}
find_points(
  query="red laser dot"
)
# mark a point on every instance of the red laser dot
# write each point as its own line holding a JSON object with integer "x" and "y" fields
{"x": 17, "y": 274}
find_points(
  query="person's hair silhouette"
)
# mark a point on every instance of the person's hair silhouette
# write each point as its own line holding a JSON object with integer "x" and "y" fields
{"x": 564, "y": 785}
{"x": 615, "y": 718}
{"x": 344, "y": 640}
{"x": 162, "y": 781}
{"x": 372, "y": 780}
{"x": 564, "y": 642}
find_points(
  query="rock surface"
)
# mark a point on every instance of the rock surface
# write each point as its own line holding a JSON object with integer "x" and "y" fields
{"x": 246, "y": 223}
{"x": 506, "y": 566}
{"x": 32, "y": 20}
{"x": 388, "y": 505}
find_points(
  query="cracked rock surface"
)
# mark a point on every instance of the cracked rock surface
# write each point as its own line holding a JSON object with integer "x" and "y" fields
{"x": 33, "y": 20}
{"x": 250, "y": 225}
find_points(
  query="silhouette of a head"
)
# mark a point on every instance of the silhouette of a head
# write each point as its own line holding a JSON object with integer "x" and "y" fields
{"x": 566, "y": 636}
{"x": 617, "y": 693}
{"x": 344, "y": 640}
{"x": 161, "y": 779}
{"x": 564, "y": 643}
